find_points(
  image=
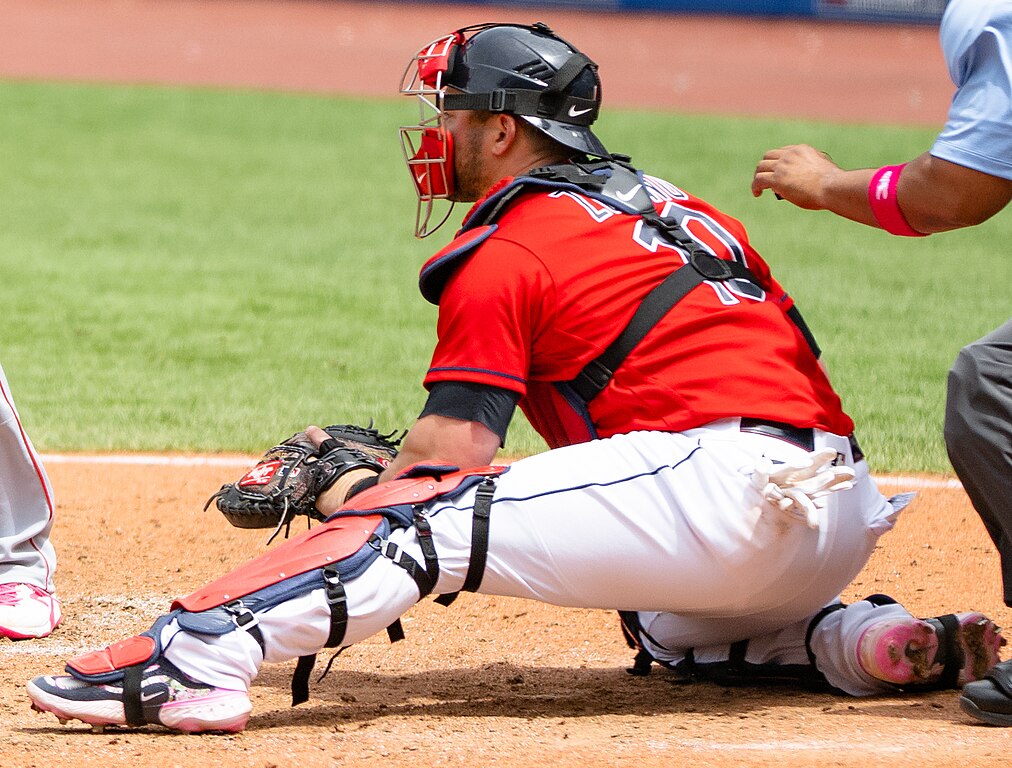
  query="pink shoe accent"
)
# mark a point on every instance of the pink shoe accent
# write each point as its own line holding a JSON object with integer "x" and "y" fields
{"x": 981, "y": 640}
{"x": 27, "y": 611}
{"x": 908, "y": 651}
{"x": 898, "y": 651}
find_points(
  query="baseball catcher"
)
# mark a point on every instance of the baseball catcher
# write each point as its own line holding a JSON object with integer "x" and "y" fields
{"x": 290, "y": 477}
{"x": 703, "y": 478}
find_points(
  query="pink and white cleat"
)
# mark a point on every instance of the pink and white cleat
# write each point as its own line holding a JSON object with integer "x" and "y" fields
{"x": 27, "y": 611}
{"x": 930, "y": 654}
{"x": 158, "y": 694}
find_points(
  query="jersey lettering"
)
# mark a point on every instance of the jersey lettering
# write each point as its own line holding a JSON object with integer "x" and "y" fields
{"x": 598, "y": 211}
{"x": 661, "y": 191}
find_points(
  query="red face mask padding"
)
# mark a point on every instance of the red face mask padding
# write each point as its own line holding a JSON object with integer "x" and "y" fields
{"x": 432, "y": 165}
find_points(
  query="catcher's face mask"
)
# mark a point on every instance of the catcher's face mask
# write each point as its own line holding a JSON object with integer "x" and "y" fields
{"x": 516, "y": 69}
{"x": 428, "y": 146}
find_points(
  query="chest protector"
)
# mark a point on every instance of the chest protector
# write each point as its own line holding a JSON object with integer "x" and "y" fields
{"x": 618, "y": 184}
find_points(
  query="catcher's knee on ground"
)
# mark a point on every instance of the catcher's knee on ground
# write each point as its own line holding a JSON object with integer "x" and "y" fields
{"x": 872, "y": 646}
{"x": 779, "y": 657}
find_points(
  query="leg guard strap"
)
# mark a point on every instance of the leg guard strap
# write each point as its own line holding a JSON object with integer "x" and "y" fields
{"x": 425, "y": 579}
{"x": 480, "y": 520}
{"x": 337, "y": 598}
{"x": 402, "y": 559}
{"x": 736, "y": 671}
{"x": 132, "y": 708}
{"x": 633, "y": 632}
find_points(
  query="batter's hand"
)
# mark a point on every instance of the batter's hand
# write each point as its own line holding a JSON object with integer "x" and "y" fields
{"x": 798, "y": 173}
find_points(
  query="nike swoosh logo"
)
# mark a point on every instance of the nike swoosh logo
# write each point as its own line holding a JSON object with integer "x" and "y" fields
{"x": 150, "y": 696}
{"x": 625, "y": 197}
{"x": 574, "y": 112}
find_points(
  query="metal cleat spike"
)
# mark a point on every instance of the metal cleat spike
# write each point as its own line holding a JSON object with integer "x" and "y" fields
{"x": 98, "y": 729}
{"x": 63, "y": 720}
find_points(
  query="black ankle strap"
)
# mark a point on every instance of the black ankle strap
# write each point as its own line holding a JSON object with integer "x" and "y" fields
{"x": 133, "y": 709}
{"x": 950, "y": 652}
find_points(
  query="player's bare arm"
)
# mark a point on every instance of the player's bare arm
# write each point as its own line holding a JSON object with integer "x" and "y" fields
{"x": 810, "y": 179}
{"x": 934, "y": 195}
{"x": 937, "y": 196}
{"x": 440, "y": 438}
{"x": 432, "y": 438}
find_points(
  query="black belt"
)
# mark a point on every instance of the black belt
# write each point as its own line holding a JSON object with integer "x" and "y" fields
{"x": 803, "y": 437}
{"x": 799, "y": 436}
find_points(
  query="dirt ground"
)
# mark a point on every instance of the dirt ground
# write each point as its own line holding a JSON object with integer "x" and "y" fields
{"x": 489, "y": 681}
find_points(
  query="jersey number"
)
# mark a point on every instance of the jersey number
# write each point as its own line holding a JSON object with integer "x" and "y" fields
{"x": 713, "y": 238}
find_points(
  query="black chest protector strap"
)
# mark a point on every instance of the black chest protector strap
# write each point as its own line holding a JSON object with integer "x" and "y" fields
{"x": 702, "y": 266}
{"x": 605, "y": 178}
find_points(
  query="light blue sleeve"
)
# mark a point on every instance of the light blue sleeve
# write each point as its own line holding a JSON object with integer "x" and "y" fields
{"x": 978, "y": 132}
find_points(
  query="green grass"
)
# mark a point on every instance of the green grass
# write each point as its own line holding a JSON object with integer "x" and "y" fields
{"x": 204, "y": 270}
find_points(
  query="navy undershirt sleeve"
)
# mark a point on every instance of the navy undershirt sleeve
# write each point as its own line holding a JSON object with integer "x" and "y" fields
{"x": 491, "y": 406}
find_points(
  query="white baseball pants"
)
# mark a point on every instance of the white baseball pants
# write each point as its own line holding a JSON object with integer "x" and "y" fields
{"x": 661, "y": 523}
{"x": 26, "y": 503}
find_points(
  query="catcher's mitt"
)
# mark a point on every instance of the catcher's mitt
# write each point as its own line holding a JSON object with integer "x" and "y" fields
{"x": 290, "y": 477}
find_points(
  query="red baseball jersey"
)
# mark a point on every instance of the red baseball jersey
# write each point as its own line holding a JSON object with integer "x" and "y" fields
{"x": 557, "y": 279}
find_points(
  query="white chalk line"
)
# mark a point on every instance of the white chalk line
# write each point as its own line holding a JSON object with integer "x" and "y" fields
{"x": 779, "y": 745}
{"x": 917, "y": 482}
{"x": 100, "y": 612}
{"x": 911, "y": 483}
{"x": 150, "y": 460}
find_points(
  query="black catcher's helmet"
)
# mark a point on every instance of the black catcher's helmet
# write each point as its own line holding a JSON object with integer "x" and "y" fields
{"x": 531, "y": 72}
{"x": 522, "y": 70}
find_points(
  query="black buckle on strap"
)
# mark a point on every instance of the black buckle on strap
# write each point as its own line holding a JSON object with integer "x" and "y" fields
{"x": 592, "y": 379}
{"x": 497, "y": 100}
{"x": 244, "y": 618}
{"x": 709, "y": 266}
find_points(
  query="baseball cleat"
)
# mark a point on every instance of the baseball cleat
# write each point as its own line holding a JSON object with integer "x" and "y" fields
{"x": 166, "y": 697}
{"x": 27, "y": 611}
{"x": 990, "y": 700}
{"x": 943, "y": 652}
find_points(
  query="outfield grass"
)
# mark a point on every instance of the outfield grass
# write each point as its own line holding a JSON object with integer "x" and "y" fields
{"x": 204, "y": 270}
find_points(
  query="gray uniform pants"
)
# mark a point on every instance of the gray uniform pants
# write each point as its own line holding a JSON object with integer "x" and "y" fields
{"x": 978, "y": 435}
{"x": 26, "y": 503}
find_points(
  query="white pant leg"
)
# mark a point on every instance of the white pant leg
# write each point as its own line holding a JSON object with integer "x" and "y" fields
{"x": 835, "y": 644}
{"x": 26, "y": 503}
{"x": 648, "y": 521}
{"x": 297, "y": 627}
{"x": 669, "y": 522}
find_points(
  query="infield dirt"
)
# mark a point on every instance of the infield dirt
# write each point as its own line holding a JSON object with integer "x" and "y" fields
{"x": 489, "y": 681}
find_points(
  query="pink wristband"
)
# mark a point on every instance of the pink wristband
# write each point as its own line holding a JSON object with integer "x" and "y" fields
{"x": 885, "y": 206}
